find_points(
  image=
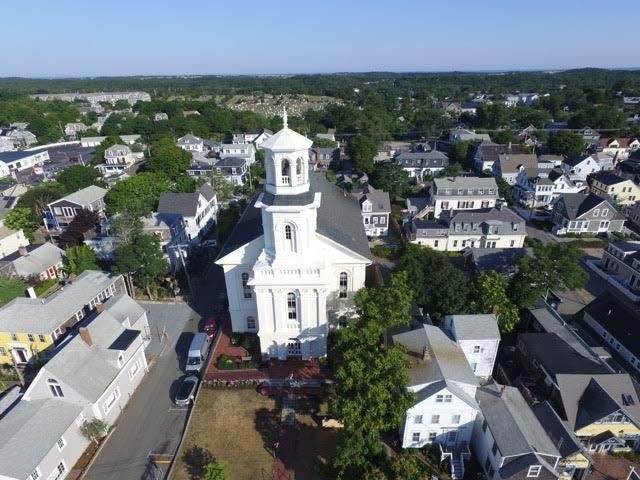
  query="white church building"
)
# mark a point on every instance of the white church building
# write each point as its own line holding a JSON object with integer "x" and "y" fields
{"x": 297, "y": 256}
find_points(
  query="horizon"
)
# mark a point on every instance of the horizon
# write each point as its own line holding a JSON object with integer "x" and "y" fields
{"x": 144, "y": 38}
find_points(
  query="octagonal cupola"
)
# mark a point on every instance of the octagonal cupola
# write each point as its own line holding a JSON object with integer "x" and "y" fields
{"x": 287, "y": 161}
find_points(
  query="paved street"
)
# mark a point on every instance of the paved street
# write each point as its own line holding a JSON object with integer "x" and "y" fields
{"x": 151, "y": 424}
{"x": 575, "y": 300}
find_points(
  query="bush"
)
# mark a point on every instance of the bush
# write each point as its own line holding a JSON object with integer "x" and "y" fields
{"x": 385, "y": 251}
{"x": 227, "y": 362}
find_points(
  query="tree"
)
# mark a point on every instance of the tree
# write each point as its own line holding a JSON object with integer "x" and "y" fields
{"x": 555, "y": 266}
{"x": 21, "y": 218}
{"x": 78, "y": 177}
{"x": 166, "y": 157}
{"x": 137, "y": 195}
{"x": 598, "y": 116}
{"x": 216, "y": 470}
{"x": 223, "y": 187}
{"x": 505, "y": 190}
{"x": 502, "y": 136}
{"x": 126, "y": 227}
{"x": 488, "y": 294}
{"x": 495, "y": 115}
{"x": 37, "y": 199}
{"x": 391, "y": 178}
{"x": 83, "y": 222}
{"x": 459, "y": 151}
{"x": 143, "y": 258}
{"x": 94, "y": 430}
{"x": 407, "y": 466}
{"x": 438, "y": 285}
{"x": 361, "y": 151}
{"x": 323, "y": 142}
{"x": 80, "y": 258}
{"x": 565, "y": 143}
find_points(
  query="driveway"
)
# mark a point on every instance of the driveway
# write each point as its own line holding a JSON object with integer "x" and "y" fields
{"x": 151, "y": 425}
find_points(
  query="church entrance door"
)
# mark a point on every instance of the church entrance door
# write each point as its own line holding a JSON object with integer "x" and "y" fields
{"x": 294, "y": 348}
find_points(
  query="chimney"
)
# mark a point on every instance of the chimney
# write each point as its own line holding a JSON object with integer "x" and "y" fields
{"x": 72, "y": 278}
{"x": 85, "y": 335}
{"x": 23, "y": 251}
{"x": 425, "y": 354}
{"x": 31, "y": 292}
{"x": 100, "y": 307}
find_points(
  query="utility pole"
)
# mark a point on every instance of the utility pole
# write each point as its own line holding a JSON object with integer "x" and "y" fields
{"x": 180, "y": 246}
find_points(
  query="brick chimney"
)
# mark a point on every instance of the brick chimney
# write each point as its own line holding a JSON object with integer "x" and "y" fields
{"x": 72, "y": 278}
{"x": 425, "y": 354}
{"x": 23, "y": 251}
{"x": 85, "y": 335}
{"x": 99, "y": 307}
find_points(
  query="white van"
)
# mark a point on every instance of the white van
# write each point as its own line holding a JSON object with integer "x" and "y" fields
{"x": 198, "y": 352}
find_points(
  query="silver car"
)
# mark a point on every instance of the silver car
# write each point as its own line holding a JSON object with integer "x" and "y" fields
{"x": 186, "y": 391}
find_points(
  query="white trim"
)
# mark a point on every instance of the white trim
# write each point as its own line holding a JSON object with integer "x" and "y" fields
{"x": 111, "y": 400}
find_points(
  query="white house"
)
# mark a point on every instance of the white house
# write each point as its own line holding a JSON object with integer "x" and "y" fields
{"x": 91, "y": 376}
{"x": 619, "y": 148}
{"x": 581, "y": 166}
{"x": 420, "y": 164}
{"x": 91, "y": 141}
{"x": 463, "y": 193}
{"x": 241, "y": 150}
{"x": 543, "y": 187}
{"x": 478, "y": 337}
{"x": 117, "y": 158}
{"x": 297, "y": 256}
{"x": 191, "y": 143}
{"x": 197, "y": 211}
{"x": 18, "y": 161}
{"x": 11, "y": 240}
{"x": 616, "y": 189}
{"x": 508, "y": 166}
{"x": 376, "y": 209}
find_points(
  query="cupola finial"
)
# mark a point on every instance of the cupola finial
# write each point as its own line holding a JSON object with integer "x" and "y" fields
{"x": 284, "y": 117}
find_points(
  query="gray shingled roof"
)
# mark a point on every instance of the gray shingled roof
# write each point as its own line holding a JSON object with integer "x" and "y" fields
{"x": 30, "y": 430}
{"x": 556, "y": 429}
{"x": 577, "y": 204}
{"x": 35, "y": 315}
{"x": 510, "y": 163}
{"x": 8, "y": 157}
{"x": 85, "y": 196}
{"x": 465, "y": 183}
{"x": 185, "y": 204}
{"x": 474, "y": 327}
{"x": 513, "y": 425}
{"x": 339, "y": 219}
{"x": 122, "y": 306}
{"x": 38, "y": 259}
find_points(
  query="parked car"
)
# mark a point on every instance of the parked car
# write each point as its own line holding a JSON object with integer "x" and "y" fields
{"x": 198, "y": 352}
{"x": 186, "y": 391}
{"x": 211, "y": 326}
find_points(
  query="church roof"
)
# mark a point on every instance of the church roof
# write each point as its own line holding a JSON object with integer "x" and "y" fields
{"x": 287, "y": 140}
{"x": 339, "y": 219}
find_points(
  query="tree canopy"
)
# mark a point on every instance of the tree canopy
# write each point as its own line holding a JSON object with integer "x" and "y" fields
{"x": 21, "y": 218}
{"x": 565, "y": 143}
{"x": 77, "y": 177}
{"x": 390, "y": 177}
{"x": 137, "y": 195}
{"x": 361, "y": 150}
{"x": 80, "y": 258}
{"x": 143, "y": 258}
{"x": 167, "y": 158}
{"x": 488, "y": 294}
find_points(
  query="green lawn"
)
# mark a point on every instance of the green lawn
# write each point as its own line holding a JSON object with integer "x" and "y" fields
{"x": 11, "y": 288}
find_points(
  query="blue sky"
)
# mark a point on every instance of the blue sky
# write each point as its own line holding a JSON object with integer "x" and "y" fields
{"x": 115, "y": 37}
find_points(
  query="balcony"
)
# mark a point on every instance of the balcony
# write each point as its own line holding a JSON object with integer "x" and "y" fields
{"x": 286, "y": 180}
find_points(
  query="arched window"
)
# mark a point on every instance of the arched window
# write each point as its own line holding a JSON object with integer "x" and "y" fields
{"x": 299, "y": 166}
{"x": 286, "y": 172}
{"x": 294, "y": 347}
{"x": 292, "y": 311}
{"x": 251, "y": 323}
{"x": 288, "y": 238}
{"x": 246, "y": 289}
{"x": 344, "y": 282}
{"x": 287, "y": 232}
{"x": 55, "y": 388}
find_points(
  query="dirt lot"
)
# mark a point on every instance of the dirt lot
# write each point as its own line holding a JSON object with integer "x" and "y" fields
{"x": 235, "y": 426}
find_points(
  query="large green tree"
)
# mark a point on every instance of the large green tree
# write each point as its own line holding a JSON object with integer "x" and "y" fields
{"x": 143, "y": 259}
{"x": 565, "y": 143}
{"x": 555, "y": 266}
{"x": 166, "y": 157}
{"x": 391, "y": 178}
{"x": 80, "y": 258}
{"x": 37, "y": 198}
{"x": 361, "y": 150}
{"x": 21, "y": 218}
{"x": 137, "y": 195}
{"x": 78, "y": 177}
{"x": 438, "y": 285}
{"x": 488, "y": 294}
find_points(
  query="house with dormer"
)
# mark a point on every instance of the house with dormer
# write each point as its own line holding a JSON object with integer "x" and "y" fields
{"x": 542, "y": 188}
{"x": 375, "y": 206}
{"x": 463, "y": 193}
{"x": 619, "y": 148}
{"x": 579, "y": 213}
{"x": 191, "y": 143}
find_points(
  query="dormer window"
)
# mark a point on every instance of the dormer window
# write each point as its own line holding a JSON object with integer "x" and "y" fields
{"x": 55, "y": 388}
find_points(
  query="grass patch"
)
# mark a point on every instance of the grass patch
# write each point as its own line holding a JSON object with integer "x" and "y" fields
{"x": 42, "y": 287}
{"x": 226, "y": 362}
{"x": 237, "y": 426}
{"x": 385, "y": 251}
{"x": 11, "y": 288}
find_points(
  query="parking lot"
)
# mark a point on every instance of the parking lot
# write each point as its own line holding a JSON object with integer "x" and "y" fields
{"x": 60, "y": 157}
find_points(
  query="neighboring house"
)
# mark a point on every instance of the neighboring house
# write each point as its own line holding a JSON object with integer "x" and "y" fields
{"x": 6, "y": 144}
{"x": 72, "y": 129}
{"x": 129, "y": 139}
{"x": 580, "y": 167}
{"x": 330, "y": 135}
{"x": 501, "y": 260}
{"x": 61, "y": 212}
{"x": 421, "y": 164}
{"x": 619, "y": 148}
{"x": 633, "y": 214}
{"x": 43, "y": 261}
{"x": 592, "y": 405}
{"x": 618, "y": 190}
{"x": 509, "y": 441}
{"x": 191, "y": 143}
{"x": 629, "y": 169}
{"x": 417, "y": 206}
{"x": 11, "y": 162}
{"x": 478, "y": 337}
{"x": 11, "y": 240}
{"x": 19, "y": 136}
{"x": 445, "y": 407}
{"x": 463, "y": 193}
{"x": 375, "y": 206}
{"x": 487, "y": 153}
{"x": 190, "y": 113}
{"x": 91, "y": 141}
{"x": 93, "y": 375}
{"x": 487, "y": 228}
{"x": 589, "y": 135}
{"x": 543, "y": 187}
{"x": 579, "y": 213}
{"x": 173, "y": 238}
{"x": 257, "y": 138}
{"x": 509, "y": 166}
{"x": 32, "y": 326}
{"x": 302, "y": 239}
{"x": 234, "y": 169}
{"x": 615, "y": 320}
{"x": 160, "y": 116}
{"x": 464, "y": 135}
{"x": 197, "y": 211}
{"x": 117, "y": 158}
{"x": 323, "y": 157}
{"x": 245, "y": 151}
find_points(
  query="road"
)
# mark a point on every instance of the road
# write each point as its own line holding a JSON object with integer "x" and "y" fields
{"x": 151, "y": 424}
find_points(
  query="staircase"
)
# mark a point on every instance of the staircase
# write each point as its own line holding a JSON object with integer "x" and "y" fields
{"x": 457, "y": 468}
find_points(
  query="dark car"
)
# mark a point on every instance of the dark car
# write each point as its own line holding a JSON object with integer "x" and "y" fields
{"x": 186, "y": 391}
{"x": 211, "y": 326}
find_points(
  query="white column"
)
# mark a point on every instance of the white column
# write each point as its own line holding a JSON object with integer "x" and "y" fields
{"x": 321, "y": 306}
